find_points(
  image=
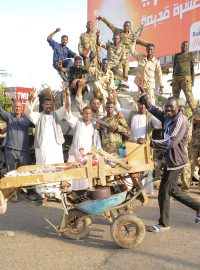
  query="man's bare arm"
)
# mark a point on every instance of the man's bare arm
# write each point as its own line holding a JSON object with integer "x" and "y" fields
{"x": 50, "y": 36}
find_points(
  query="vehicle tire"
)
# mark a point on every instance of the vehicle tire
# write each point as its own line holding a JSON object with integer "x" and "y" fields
{"x": 127, "y": 231}
{"x": 77, "y": 225}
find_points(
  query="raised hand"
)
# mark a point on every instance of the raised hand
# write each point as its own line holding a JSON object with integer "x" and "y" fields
{"x": 99, "y": 18}
{"x": 31, "y": 94}
{"x": 67, "y": 92}
{"x": 97, "y": 33}
{"x": 139, "y": 32}
{"x": 161, "y": 90}
{"x": 141, "y": 140}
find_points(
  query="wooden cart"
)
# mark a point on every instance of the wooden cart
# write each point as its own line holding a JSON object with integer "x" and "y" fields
{"x": 126, "y": 229}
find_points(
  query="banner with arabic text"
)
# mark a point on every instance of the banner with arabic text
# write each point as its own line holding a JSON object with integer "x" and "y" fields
{"x": 166, "y": 22}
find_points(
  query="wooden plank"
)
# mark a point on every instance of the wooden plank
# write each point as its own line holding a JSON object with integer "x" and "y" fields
{"x": 112, "y": 158}
{"x": 102, "y": 170}
{"x": 138, "y": 159}
{"x": 138, "y": 185}
{"x": 67, "y": 175}
{"x": 89, "y": 171}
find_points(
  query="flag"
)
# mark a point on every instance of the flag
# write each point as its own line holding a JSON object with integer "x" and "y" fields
{"x": 88, "y": 53}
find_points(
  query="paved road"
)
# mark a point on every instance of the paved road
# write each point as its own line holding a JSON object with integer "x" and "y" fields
{"x": 36, "y": 247}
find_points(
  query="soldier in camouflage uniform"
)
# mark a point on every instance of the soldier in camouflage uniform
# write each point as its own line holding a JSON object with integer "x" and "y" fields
{"x": 186, "y": 174}
{"x": 112, "y": 136}
{"x": 149, "y": 70}
{"x": 183, "y": 74}
{"x": 127, "y": 38}
{"x": 115, "y": 54}
{"x": 194, "y": 146}
{"x": 87, "y": 46}
{"x": 104, "y": 81}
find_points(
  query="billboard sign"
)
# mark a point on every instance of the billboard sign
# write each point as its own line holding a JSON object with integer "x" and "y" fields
{"x": 18, "y": 93}
{"x": 166, "y": 22}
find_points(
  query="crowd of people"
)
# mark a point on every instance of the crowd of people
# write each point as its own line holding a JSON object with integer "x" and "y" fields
{"x": 86, "y": 75}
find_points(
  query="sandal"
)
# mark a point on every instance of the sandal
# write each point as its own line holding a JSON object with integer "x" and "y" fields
{"x": 158, "y": 228}
{"x": 197, "y": 218}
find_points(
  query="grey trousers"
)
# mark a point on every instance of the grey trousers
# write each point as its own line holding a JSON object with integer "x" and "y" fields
{"x": 15, "y": 158}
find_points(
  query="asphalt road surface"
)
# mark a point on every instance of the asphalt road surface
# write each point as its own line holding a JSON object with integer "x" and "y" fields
{"x": 36, "y": 246}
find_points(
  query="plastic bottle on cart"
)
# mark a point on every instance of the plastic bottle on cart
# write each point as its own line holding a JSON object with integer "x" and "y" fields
{"x": 122, "y": 150}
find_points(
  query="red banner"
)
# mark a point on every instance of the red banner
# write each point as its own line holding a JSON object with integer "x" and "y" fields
{"x": 166, "y": 22}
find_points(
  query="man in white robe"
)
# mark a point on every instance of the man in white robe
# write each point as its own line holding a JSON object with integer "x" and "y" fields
{"x": 48, "y": 138}
{"x": 85, "y": 136}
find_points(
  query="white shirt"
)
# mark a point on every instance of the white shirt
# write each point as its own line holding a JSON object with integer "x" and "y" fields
{"x": 49, "y": 152}
{"x": 139, "y": 123}
{"x": 139, "y": 126}
{"x": 84, "y": 141}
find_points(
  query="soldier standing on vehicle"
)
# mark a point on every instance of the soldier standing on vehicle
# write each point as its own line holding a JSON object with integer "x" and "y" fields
{"x": 87, "y": 46}
{"x": 115, "y": 54}
{"x": 149, "y": 70}
{"x": 127, "y": 37}
{"x": 183, "y": 74}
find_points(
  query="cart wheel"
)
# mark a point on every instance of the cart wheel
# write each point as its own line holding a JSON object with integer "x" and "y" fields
{"x": 127, "y": 231}
{"x": 76, "y": 229}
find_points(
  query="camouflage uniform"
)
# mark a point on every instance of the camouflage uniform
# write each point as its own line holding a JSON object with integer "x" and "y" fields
{"x": 88, "y": 42}
{"x": 183, "y": 77}
{"x": 114, "y": 54}
{"x": 186, "y": 173}
{"x": 103, "y": 84}
{"x": 126, "y": 39}
{"x": 148, "y": 71}
{"x": 194, "y": 146}
{"x": 110, "y": 140}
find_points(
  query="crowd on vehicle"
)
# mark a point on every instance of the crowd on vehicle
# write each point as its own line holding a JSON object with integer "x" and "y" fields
{"x": 94, "y": 116}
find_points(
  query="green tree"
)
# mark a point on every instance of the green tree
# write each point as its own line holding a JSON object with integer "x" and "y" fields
{"x": 5, "y": 101}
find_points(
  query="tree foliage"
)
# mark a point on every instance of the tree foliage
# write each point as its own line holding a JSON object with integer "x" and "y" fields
{"x": 5, "y": 101}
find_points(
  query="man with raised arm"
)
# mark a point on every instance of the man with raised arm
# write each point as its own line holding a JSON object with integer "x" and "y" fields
{"x": 115, "y": 54}
{"x": 48, "y": 137}
{"x": 61, "y": 53}
{"x": 175, "y": 129}
{"x": 127, "y": 38}
{"x": 16, "y": 151}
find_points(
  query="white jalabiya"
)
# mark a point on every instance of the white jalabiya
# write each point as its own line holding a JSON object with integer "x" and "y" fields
{"x": 84, "y": 141}
{"x": 49, "y": 152}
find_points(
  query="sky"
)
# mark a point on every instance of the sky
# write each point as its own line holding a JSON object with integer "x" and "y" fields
{"x": 24, "y": 27}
